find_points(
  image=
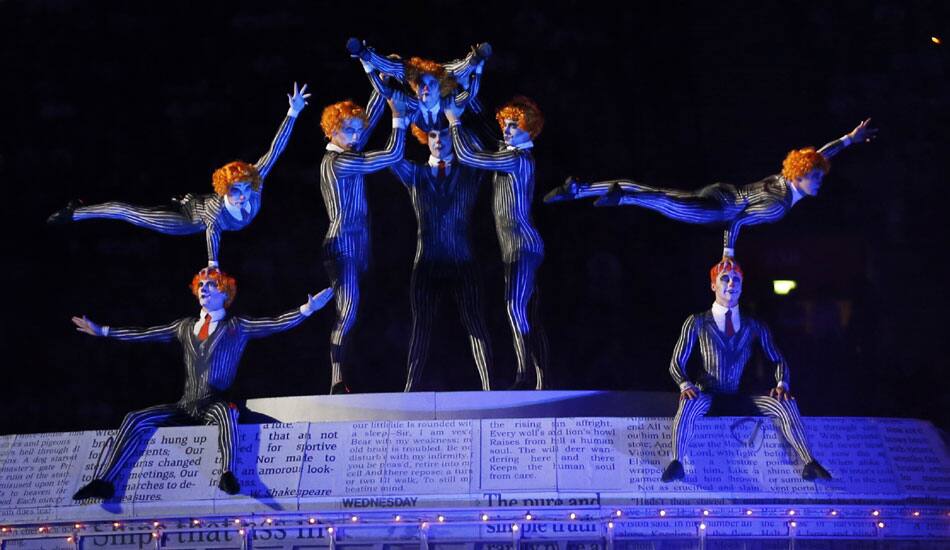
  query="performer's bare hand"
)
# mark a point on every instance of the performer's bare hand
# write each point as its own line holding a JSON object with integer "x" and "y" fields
{"x": 320, "y": 300}
{"x": 83, "y": 324}
{"x": 397, "y": 104}
{"x": 688, "y": 393}
{"x": 781, "y": 394}
{"x": 299, "y": 98}
{"x": 863, "y": 132}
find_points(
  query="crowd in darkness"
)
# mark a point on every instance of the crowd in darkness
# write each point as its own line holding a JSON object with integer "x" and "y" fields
{"x": 140, "y": 102}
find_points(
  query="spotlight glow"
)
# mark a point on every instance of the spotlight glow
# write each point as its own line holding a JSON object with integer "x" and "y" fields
{"x": 484, "y": 517}
{"x": 610, "y": 525}
{"x": 794, "y": 524}
{"x": 748, "y": 512}
{"x": 783, "y": 286}
{"x": 354, "y": 519}
{"x": 528, "y": 516}
{"x": 572, "y": 515}
{"x": 397, "y": 518}
{"x": 876, "y": 513}
{"x": 618, "y": 513}
{"x": 662, "y": 513}
{"x": 705, "y": 512}
{"x": 791, "y": 512}
{"x": 311, "y": 521}
{"x": 441, "y": 519}
{"x": 515, "y": 527}
{"x": 936, "y": 40}
{"x": 880, "y": 525}
{"x": 916, "y": 514}
{"x": 702, "y": 526}
{"x": 833, "y": 512}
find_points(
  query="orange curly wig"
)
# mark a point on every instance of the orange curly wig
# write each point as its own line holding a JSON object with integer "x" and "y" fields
{"x": 724, "y": 266}
{"x": 420, "y": 134}
{"x": 233, "y": 172}
{"x": 523, "y": 110}
{"x": 225, "y": 282}
{"x": 417, "y": 66}
{"x": 799, "y": 162}
{"x": 334, "y": 115}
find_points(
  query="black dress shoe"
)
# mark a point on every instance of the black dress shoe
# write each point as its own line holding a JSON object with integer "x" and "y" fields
{"x": 97, "y": 488}
{"x": 813, "y": 471}
{"x": 65, "y": 214}
{"x": 339, "y": 388}
{"x": 612, "y": 198}
{"x": 355, "y": 46}
{"x": 229, "y": 483}
{"x": 482, "y": 51}
{"x": 674, "y": 470}
{"x": 566, "y": 192}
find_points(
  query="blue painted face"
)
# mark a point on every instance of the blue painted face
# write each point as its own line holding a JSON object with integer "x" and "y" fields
{"x": 210, "y": 296}
{"x": 428, "y": 91}
{"x": 810, "y": 183}
{"x": 514, "y": 134}
{"x": 239, "y": 192}
{"x": 349, "y": 134}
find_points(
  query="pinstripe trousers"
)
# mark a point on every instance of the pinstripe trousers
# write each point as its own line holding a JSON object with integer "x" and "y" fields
{"x": 344, "y": 273}
{"x": 786, "y": 412}
{"x": 164, "y": 220}
{"x": 429, "y": 282}
{"x": 138, "y": 426}
{"x": 523, "y": 308}
{"x": 714, "y": 203}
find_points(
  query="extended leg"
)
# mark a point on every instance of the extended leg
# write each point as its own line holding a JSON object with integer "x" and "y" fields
{"x": 519, "y": 287}
{"x": 344, "y": 274}
{"x": 574, "y": 190}
{"x": 790, "y": 422}
{"x": 169, "y": 222}
{"x": 467, "y": 292}
{"x": 136, "y": 427}
{"x": 424, "y": 295}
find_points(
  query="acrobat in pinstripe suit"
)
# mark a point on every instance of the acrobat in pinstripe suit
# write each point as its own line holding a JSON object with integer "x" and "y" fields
{"x": 522, "y": 249}
{"x": 426, "y": 110}
{"x": 726, "y": 342}
{"x": 231, "y": 208}
{"x": 346, "y": 246}
{"x": 765, "y": 201}
{"x": 443, "y": 197}
{"x": 212, "y": 344}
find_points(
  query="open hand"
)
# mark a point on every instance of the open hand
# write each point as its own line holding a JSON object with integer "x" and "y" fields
{"x": 83, "y": 324}
{"x": 863, "y": 132}
{"x": 298, "y": 100}
{"x": 688, "y": 393}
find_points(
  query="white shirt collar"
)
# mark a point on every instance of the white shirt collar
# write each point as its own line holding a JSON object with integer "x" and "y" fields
{"x": 434, "y": 162}
{"x": 335, "y": 148}
{"x": 719, "y": 315}
{"x": 235, "y": 211}
{"x": 796, "y": 194}
{"x": 434, "y": 110}
{"x": 216, "y": 315}
{"x": 526, "y": 145}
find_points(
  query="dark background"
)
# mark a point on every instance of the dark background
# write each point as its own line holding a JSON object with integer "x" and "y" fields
{"x": 140, "y": 102}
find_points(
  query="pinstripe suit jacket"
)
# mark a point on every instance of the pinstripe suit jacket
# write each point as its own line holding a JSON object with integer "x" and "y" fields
{"x": 209, "y": 209}
{"x": 443, "y": 209}
{"x": 210, "y": 366}
{"x": 342, "y": 179}
{"x": 513, "y": 186}
{"x": 724, "y": 359}
{"x": 764, "y": 201}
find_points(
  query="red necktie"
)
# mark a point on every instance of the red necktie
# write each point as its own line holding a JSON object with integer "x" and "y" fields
{"x": 441, "y": 172}
{"x": 203, "y": 333}
{"x": 730, "y": 330}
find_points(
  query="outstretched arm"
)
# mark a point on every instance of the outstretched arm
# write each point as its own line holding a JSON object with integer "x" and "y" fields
{"x": 264, "y": 326}
{"x": 298, "y": 100}
{"x": 681, "y": 353}
{"x": 863, "y": 132}
{"x": 159, "y": 333}
{"x": 350, "y": 162}
{"x": 372, "y": 60}
{"x": 501, "y": 161}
